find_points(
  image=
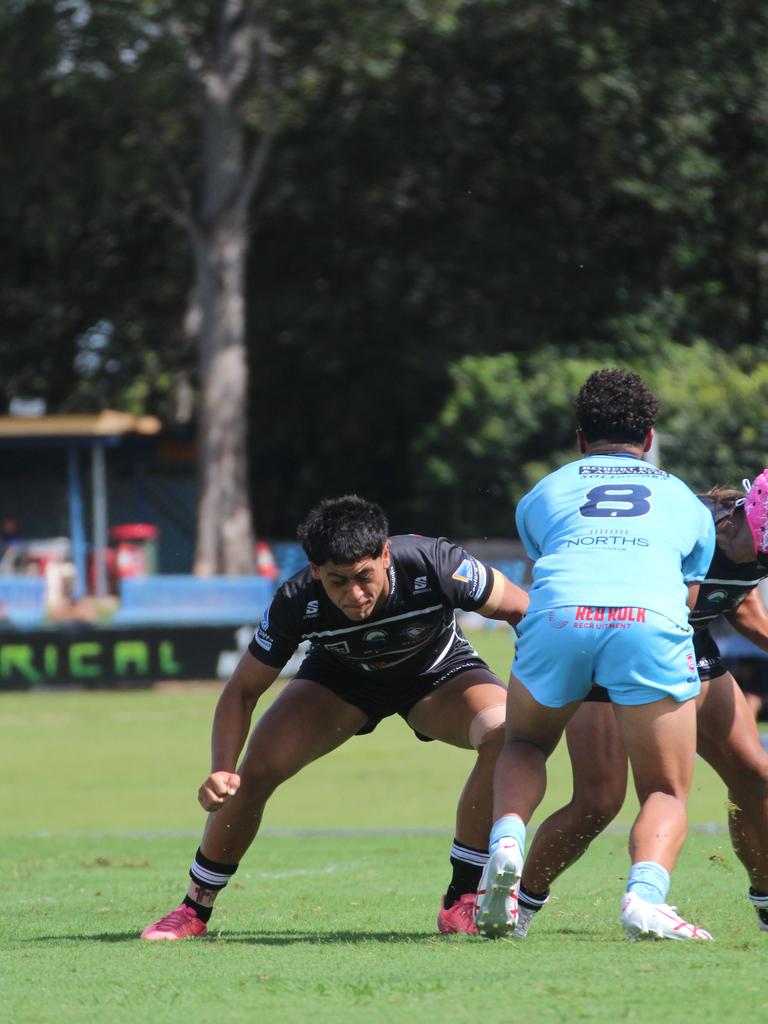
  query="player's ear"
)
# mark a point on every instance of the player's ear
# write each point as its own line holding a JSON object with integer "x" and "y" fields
{"x": 315, "y": 571}
{"x": 386, "y": 556}
{"x": 648, "y": 441}
{"x": 581, "y": 441}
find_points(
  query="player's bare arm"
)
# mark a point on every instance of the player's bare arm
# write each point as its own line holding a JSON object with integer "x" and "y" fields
{"x": 506, "y": 602}
{"x": 231, "y": 724}
{"x": 693, "y": 595}
{"x": 751, "y": 619}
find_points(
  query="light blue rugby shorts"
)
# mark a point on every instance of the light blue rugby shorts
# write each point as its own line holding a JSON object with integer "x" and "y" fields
{"x": 639, "y": 656}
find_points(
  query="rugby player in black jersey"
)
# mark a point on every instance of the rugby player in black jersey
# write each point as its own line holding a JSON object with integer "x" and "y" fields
{"x": 728, "y": 738}
{"x": 379, "y": 614}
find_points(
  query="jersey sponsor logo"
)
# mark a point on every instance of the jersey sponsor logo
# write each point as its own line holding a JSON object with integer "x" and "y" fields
{"x": 261, "y": 636}
{"x": 593, "y": 617}
{"x": 420, "y": 584}
{"x": 340, "y": 647}
{"x": 588, "y": 613}
{"x": 555, "y": 622}
{"x": 691, "y": 663}
{"x": 473, "y": 574}
{"x": 312, "y": 609}
{"x": 615, "y": 542}
{"x": 418, "y": 629}
{"x": 375, "y": 636}
{"x": 464, "y": 572}
{"x": 642, "y": 470}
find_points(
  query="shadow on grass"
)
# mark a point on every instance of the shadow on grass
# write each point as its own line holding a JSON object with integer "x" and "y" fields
{"x": 259, "y": 938}
{"x": 326, "y": 939}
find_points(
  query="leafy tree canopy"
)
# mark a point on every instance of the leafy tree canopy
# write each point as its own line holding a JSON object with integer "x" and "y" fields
{"x": 554, "y": 184}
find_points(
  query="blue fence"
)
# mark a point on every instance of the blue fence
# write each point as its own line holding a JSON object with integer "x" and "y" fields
{"x": 236, "y": 600}
{"x": 22, "y": 599}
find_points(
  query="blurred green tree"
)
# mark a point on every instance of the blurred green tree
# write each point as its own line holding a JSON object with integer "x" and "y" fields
{"x": 559, "y": 180}
{"x": 507, "y": 421}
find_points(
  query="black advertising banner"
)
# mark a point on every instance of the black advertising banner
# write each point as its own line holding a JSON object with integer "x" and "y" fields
{"x": 91, "y": 657}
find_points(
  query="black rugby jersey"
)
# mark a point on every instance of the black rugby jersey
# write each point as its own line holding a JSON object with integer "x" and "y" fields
{"x": 726, "y": 584}
{"x": 428, "y": 578}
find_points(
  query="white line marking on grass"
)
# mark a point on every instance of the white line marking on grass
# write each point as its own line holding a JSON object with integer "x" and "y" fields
{"x": 267, "y": 833}
{"x": 329, "y": 869}
{"x": 711, "y": 828}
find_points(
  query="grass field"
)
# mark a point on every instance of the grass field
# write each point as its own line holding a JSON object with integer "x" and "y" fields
{"x": 331, "y": 916}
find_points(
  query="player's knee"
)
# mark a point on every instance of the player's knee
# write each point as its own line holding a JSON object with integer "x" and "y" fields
{"x": 260, "y": 776}
{"x": 599, "y": 805}
{"x": 599, "y": 797}
{"x": 488, "y": 726}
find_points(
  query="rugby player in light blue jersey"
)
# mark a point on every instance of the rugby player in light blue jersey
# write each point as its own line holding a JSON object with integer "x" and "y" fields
{"x": 727, "y": 735}
{"x": 619, "y": 548}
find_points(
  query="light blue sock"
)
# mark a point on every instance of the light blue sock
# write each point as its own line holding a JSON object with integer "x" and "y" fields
{"x": 649, "y": 881}
{"x": 509, "y": 827}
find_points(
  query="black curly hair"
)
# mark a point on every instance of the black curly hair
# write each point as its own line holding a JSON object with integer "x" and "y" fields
{"x": 343, "y": 530}
{"x": 615, "y": 405}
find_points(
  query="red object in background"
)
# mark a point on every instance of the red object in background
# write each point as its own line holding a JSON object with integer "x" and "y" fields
{"x": 265, "y": 561}
{"x": 135, "y": 549}
{"x": 134, "y": 531}
{"x": 109, "y": 561}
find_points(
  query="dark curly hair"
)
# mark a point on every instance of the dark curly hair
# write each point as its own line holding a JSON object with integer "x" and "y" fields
{"x": 343, "y": 530}
{"x": 726, "y": 494}
{"x": 615, "y": 405}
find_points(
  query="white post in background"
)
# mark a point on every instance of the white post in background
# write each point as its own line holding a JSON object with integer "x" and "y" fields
{"x": 99, "y": 511}
{"x": 652, "y": 455}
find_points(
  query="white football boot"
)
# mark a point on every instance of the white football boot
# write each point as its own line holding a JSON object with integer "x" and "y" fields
{"x": 496, "y": 911}
{"x": 643, "y": 920}
{"x": 524, "y": 918}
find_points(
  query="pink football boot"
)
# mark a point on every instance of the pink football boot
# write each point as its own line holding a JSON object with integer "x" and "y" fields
{"x": 460, "y": 917}
{"x": 181, "y": 923}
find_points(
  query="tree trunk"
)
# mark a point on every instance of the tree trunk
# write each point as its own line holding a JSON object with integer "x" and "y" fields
{"x": 216, "y": 316}
{"x": 225, "y": 538}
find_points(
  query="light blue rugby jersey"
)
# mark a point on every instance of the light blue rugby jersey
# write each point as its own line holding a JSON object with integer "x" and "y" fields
{"x": 613, "y": 530}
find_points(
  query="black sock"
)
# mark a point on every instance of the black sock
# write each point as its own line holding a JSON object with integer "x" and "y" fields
{"x": 467, "y": 864}
{"x": 532, "y": 900}
{"x": 207, "y": 875}
{"x": 204, "y": 913}
{"x": 759, "y": 901}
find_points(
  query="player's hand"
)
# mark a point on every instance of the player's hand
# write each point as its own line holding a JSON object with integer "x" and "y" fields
{"x": 217, "y": 789}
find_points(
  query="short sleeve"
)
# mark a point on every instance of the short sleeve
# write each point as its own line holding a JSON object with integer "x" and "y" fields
{"x": 698, "y": 560}
{"x": 278, "y": 635}
{"x": 531, "y": 545}
{"x": 464, "y": 580}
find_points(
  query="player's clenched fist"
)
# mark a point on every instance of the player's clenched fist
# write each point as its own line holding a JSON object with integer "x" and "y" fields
{"x": 217, "y": 788}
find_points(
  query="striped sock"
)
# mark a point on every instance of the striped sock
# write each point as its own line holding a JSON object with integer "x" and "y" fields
{"x": 759, "y": 901}
{"x": 208, "y": 874}
{"x": 467, "y": 864}
{"x": 533, "y": 901}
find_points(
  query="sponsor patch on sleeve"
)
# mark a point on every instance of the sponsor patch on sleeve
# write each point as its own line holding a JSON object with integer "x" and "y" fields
{"x": 474, "y": 575}
{"x": 262, "y": 635}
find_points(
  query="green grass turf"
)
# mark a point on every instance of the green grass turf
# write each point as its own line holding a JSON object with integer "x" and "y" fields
{"x": 333, "y": 923}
